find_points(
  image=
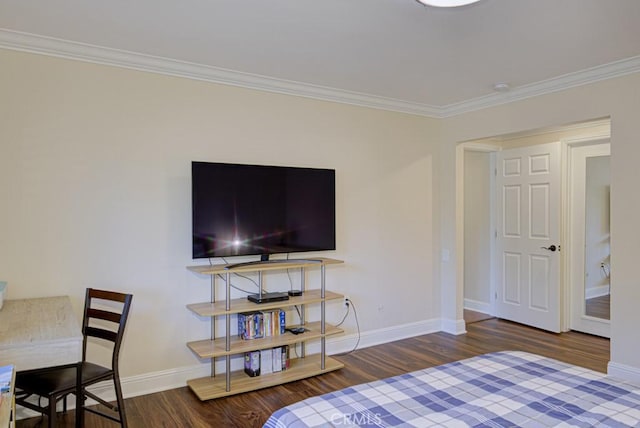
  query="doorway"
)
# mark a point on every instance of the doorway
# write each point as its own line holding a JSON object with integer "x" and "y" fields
{"x": 479, "y": 219}
{"x": 470, "y": 264}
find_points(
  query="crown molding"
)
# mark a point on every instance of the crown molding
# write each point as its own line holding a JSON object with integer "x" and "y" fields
{"x": 33, "y": 43}
{"x": 556, "y": 84}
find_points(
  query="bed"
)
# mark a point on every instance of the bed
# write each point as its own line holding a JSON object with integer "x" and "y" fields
{"x": 502, "y": 389}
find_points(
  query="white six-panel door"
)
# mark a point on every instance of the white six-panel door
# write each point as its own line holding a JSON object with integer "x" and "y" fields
{"x": 528, "y": 236}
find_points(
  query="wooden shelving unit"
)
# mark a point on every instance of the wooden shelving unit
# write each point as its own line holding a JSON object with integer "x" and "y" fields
{"x": 229, "y": 383}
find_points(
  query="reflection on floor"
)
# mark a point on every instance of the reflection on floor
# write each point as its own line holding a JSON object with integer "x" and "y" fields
{"x": 473, "y": 316}
{"x": 599, "y": 307}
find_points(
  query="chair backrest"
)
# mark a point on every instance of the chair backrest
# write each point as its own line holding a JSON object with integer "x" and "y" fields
{"x": 105, "y": 321}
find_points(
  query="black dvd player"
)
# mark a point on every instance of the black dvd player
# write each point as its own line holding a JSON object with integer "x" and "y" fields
{"x": 268, "y": 297}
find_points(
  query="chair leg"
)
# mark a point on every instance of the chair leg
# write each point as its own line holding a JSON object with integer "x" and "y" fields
{"x": 52, "y": 411}
{"x": 120, "y": 402}
{"x": 80, "y": 397}
{"x": 79, "y": 410}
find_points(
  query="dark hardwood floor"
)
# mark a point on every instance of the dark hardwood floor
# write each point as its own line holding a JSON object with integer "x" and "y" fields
{"x": 180, "y": 408}
{"x": 470, "y": 316}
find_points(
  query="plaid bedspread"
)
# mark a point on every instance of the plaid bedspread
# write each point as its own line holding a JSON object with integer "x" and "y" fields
{"x": 503, "y": 389}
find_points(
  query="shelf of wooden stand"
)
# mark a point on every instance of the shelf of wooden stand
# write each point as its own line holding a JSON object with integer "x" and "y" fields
{"x": 207, "y": 388}
{"x": 209, "y": 309}
{"x": 216, "y": 348}
{"x": 261, "y": 267}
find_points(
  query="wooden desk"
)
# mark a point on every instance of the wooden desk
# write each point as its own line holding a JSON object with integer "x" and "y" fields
{"x": 39, "y": 333}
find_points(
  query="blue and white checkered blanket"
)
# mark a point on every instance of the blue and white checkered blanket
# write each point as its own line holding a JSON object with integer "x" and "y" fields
{"x": 503, "y": 389}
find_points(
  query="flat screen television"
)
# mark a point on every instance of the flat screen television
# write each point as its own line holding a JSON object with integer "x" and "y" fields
{"x": 241, "y": 210}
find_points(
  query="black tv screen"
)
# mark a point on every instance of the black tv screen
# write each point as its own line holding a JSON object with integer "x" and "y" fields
{"x": 255, "y": 209}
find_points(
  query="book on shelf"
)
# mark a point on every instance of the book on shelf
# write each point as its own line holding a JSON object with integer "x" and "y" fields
{"x": 252, "y": 363}
{"x": 285, "y": 361}
{"x": 250, "y": 325}
{"x": 282, "y": 321}
{"x": 266, "y": 361}
{"x": 267, "y": 323}
{"x": 273, "y": 322}
{"x": 258, "y": 324}
{"x": 276, "y": 359}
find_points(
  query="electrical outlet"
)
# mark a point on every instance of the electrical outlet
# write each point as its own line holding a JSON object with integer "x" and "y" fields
{"x": 346, "y": 301}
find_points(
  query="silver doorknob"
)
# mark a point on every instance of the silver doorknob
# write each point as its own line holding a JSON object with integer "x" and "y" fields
{"x": 550, "y": 247}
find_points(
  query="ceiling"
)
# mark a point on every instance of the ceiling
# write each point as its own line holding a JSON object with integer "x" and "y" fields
{"x": 394, "y": 54}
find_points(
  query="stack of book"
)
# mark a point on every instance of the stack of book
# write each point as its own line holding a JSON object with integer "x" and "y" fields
{"x": 258, "y": 324}
{"x": 265, "y": 361}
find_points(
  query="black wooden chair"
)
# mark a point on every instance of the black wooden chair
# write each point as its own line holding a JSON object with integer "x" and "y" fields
{"x": 105, "y": 316}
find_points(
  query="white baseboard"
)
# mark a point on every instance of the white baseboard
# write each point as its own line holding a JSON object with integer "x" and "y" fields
{"x": 477, "y": 306}
{"x": 623, "y": 372}
{"x": 345, "y": 343}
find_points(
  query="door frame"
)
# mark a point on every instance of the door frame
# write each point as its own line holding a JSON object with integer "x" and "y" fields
{"x": 569, "y": 237}
{"x": 460, "y": 170}
{"x": 492, "y": 150}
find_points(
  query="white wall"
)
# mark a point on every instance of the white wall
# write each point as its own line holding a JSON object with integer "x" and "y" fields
{"x": 95, "y": 192}
{"x": 618, "y": 98}
{"x": 94, "y": 186}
